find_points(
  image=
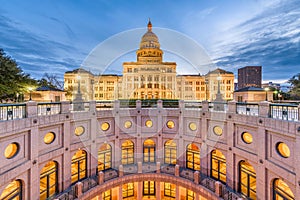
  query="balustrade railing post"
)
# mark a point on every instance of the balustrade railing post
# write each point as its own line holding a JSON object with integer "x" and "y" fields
{"x": 117, "y": 105}
{"x": 65, "y": 107}
{"x": 121, "y": 171}
{"x": 181, "y": 104}
{"x": 264, "y": 108}
{"x": 299, "y": 112}
{"x": 140, "y": 167}
{"x": 138, "y": 104}
{"x": 158, "y": 167}
{"x": 218, "y": 187}
{"x": 92, "y": 106}
{"x": 205, "y": 106}
{"x": 232, "y": 106}
{"x": 159, "y": 104}
{"x": 100, "y": 177}
{"x": 177, "y": 167}
{"x": 31, "y": 109}
{"x": 78, "y": 189}
{"x": 196, "y": 177}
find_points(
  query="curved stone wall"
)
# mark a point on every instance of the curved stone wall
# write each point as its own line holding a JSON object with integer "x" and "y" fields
{"x": 214, "y": 130}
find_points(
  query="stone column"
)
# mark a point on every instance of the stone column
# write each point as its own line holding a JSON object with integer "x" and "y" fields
{"x": 264, "y": 109}
{"x": 205, "y": 106}
{"x": 140, "y": 190}
{"x": 100, "y": 178}
{"x": 78, "y": 189}
{"x": 218, "y": 187}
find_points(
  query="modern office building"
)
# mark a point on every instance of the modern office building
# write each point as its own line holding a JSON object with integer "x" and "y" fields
{"x": 149, "y": 77}
{"x": 249, "y": 76}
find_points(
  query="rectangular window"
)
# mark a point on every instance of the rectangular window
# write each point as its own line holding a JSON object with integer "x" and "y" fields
{"x": 107, "y": 195}
{"x": 128, "y": 190}
{"x": 149, "y": 188}
{"x": 170, "y": 190}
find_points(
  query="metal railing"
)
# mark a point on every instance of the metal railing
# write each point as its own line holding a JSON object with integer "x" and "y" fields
{"x": 104, "y": 105}
{"x": 194, "y": 105}
{"x": 247, "y": 108}
{"x": 49, "y": 108}
{"x": 289, "y": 112}
{"x": 80, "y": 106}
{"x": 12, "y": 111}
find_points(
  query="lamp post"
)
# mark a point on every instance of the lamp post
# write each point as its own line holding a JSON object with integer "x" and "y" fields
{"x": 78, "y": 81}
{"x": 30, "y": 90}
{"x": 267, "y": 89}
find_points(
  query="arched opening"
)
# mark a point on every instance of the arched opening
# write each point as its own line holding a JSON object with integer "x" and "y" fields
{"x": 79, "y": 166}
{"x": 127, "y": 152}
{"x": 218, "y": 166}
{"x": 48, "y": 180}
{"x": 149, "y": 151}
{"x": 104, "y": 157}
{"x": 247, "y": 181}
{"x": 282, "y": 191}
{"x": 170, "y": 156}
{"x": 193, "y": 157}
{"x": 12, "y": 191}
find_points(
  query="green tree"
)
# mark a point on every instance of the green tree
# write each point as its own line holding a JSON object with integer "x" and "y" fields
{"x": 295, "y": 91}
{"x": 13, "y": 81}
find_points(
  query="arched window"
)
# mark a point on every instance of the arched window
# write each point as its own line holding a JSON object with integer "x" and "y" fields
{"x": 218, "y": 166}
{"x": 104, "y": 157}
{"x": 79, "y": 165}
{"x": 193, "y": 157}
{"x": 12, "y": 191}
{"x": 282, "y": 191}
{"x": 48, "y": 180}
{"x": 149, "y": 151}
{"x": 247, "y": 182}
{"x": 127, "y": 152}
{"x": 170, "y": 152}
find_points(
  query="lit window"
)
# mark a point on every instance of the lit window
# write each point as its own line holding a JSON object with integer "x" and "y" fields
{"x": 193, "y": 126}
{"x": 79, "y": 130}
{"x": 48, "y": 180}
{"x": 49, "y": 138}
{"x": 104, "y": 157}
{"x": 170, "y": 190}
{"x": 11, "y": 150}
{"x": 218, "y": 130}
{"x": 247, "y": 137}
{"x": 218, "y": 166}
{"x": 149, "y": 151}
{"x": 78, "y": 166}
{"x": 107, "y": 195}
{"x": 148, "y": 123}
{"x": 193, "y": 157}
{"x": 247, "y": 181}
{"x": 12, "y": 191}
{"x": 190, "y": 195}
{"x": 282, "y": 191}
{"x": 149, "y": 188}
{"x": 170, "y": 124}
{"x": 105, "y": 126}
{"x": 127, "y": 124}
{"x": 127, "y": 152}
{"x": 128, "y": 190}
{"x": 170, "y": 152}
{"x": 283, "y": 150}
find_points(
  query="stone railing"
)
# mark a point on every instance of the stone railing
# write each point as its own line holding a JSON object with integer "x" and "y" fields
{"x": 287, "y": 112}
{"x": 217, "y": 188}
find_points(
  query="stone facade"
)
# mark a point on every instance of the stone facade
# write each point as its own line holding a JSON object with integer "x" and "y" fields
{"x": 33, "y": 153}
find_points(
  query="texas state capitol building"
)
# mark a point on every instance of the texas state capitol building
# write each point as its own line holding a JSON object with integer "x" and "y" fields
{"x": 53, "y": 151}
{"x": 150, "y": 78}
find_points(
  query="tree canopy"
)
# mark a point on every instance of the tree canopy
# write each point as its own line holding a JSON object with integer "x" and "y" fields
{"x": 295, "y": 91}
{"x": 13, "y": 81}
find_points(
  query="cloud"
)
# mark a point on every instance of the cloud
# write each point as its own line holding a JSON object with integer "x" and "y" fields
{"x": 270, "y": 39}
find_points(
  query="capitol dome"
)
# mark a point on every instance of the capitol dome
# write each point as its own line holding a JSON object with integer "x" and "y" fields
{"x": 149, "y": 39}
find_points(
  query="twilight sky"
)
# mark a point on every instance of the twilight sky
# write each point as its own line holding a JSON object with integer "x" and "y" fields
{"x": 55, "y": 36}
